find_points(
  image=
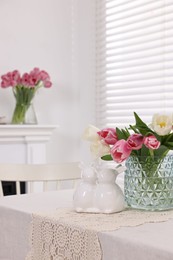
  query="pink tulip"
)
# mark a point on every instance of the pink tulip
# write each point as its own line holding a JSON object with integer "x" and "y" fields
{"x": 4, "y": 84}
{"x": 13, "y": 83}
{"x": 5, "y": 77}
{"x": 108, "y": 135}
{"x": 47, "y": 84}
{"x": 26, "y": 80}
{"x": 44, "y": 75}
{"x": 9, "y": 74}
{"x": 120, "y": 151}
{"x": 35, "y": 76}
{"x": 6, "y": 80}
{"x": 16, "y": 77}
{"x": 35, "y": 71}
{"x": 151, "y": 142}
{"x": 135, "y": 141}
{"x": 32, "y": 79}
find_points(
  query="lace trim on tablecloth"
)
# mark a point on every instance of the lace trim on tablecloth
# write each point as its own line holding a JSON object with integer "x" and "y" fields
{"x": 67, "y": 235}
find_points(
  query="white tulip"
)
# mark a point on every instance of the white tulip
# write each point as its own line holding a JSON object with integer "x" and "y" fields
{"x": 90, "y": 133}
{"x": 98, "y": 149}
{"x": 162, "y": 124}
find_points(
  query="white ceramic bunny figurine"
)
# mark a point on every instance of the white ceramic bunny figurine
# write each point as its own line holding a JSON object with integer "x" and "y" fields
{"x": 84, "y": 193}
{"x": 108, "y": 197}
{"x": 99, "y": 194}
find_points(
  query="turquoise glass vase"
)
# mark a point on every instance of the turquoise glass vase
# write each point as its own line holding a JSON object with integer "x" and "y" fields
{"x": 148, "y": 183}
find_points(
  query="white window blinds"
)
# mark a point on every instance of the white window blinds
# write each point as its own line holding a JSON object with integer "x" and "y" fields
{"x": 134, "y": 60}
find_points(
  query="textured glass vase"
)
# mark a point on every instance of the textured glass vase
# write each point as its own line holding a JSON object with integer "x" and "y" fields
{"x": 148, "y": 183}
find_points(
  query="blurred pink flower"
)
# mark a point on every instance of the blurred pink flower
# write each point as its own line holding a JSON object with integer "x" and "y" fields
{"x": 47, "y": 84}
{"x": 25, "y": 79}
{"x": 34, "y": 79}
{"x": 16, "y": 76}
{"x": 10, "y": 79}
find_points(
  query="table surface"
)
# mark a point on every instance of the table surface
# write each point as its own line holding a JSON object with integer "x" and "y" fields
{"x": 151, "y": 241}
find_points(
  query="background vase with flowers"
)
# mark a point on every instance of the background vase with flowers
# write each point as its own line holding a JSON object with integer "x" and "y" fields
{"x": 146, "y": 151}
{"x": 24, "y": 88}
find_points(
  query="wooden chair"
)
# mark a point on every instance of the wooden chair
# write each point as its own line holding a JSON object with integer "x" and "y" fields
{"x": 44, "y": 173}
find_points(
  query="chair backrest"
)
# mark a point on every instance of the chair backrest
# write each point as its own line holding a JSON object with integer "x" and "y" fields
{"x": 44, "y": 173}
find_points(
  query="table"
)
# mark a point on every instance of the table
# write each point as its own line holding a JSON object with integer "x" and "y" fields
{"x": 152, "y": 241}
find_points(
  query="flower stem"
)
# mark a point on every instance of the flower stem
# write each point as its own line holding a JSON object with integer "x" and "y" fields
{"x": 19, "y": 113}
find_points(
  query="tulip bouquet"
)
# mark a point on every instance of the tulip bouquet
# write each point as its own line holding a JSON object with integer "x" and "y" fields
{"x": 139, "y": 140}
{"x": 24, "y": 88}
{"x": 144, "y": 148}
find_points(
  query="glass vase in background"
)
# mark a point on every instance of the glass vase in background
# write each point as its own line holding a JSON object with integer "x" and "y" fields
{"x": 30, "y": 116}
{"x": 24, "y": 111}
{"x": 24, "y": 114}
{"x": 148, "y": 183}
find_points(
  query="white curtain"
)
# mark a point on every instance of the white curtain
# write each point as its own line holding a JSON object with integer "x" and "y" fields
{"x": 134, "y": 60}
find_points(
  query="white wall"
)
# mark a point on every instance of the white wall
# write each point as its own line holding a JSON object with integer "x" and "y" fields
{"x": 57, "y": 36}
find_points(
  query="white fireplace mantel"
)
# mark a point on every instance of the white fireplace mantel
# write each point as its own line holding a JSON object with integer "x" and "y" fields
{"x": 24, "y": 143}
{"x": 25, "y": 133}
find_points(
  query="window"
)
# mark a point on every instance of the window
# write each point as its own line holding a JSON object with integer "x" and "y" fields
{"x": 134, "y": 60}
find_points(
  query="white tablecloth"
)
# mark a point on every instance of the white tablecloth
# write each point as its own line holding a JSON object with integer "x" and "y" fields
{"x": 15, "y": 219}
{"x": 151, "y": 241}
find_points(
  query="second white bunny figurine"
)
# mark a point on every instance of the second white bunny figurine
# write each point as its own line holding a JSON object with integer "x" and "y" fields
{"x": 108, "y": 197}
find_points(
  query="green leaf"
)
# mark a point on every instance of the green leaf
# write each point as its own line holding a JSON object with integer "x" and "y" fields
{"x": 161, "y": 151}
{"x": 167, "y": 141}
{"x": 143, "y": 128}
{"x": 126, "y": 133}
{"x": 167, "y": 138}
{"x": 107, "y": 157}
{"x": 169, "y": 145}
{"x": 134, "y": 129}
{"x": 120, "y": 134}
{"x": 144, "y": 151}
{"x": 170, "y": 137}
{"x": 139, "y": 121}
